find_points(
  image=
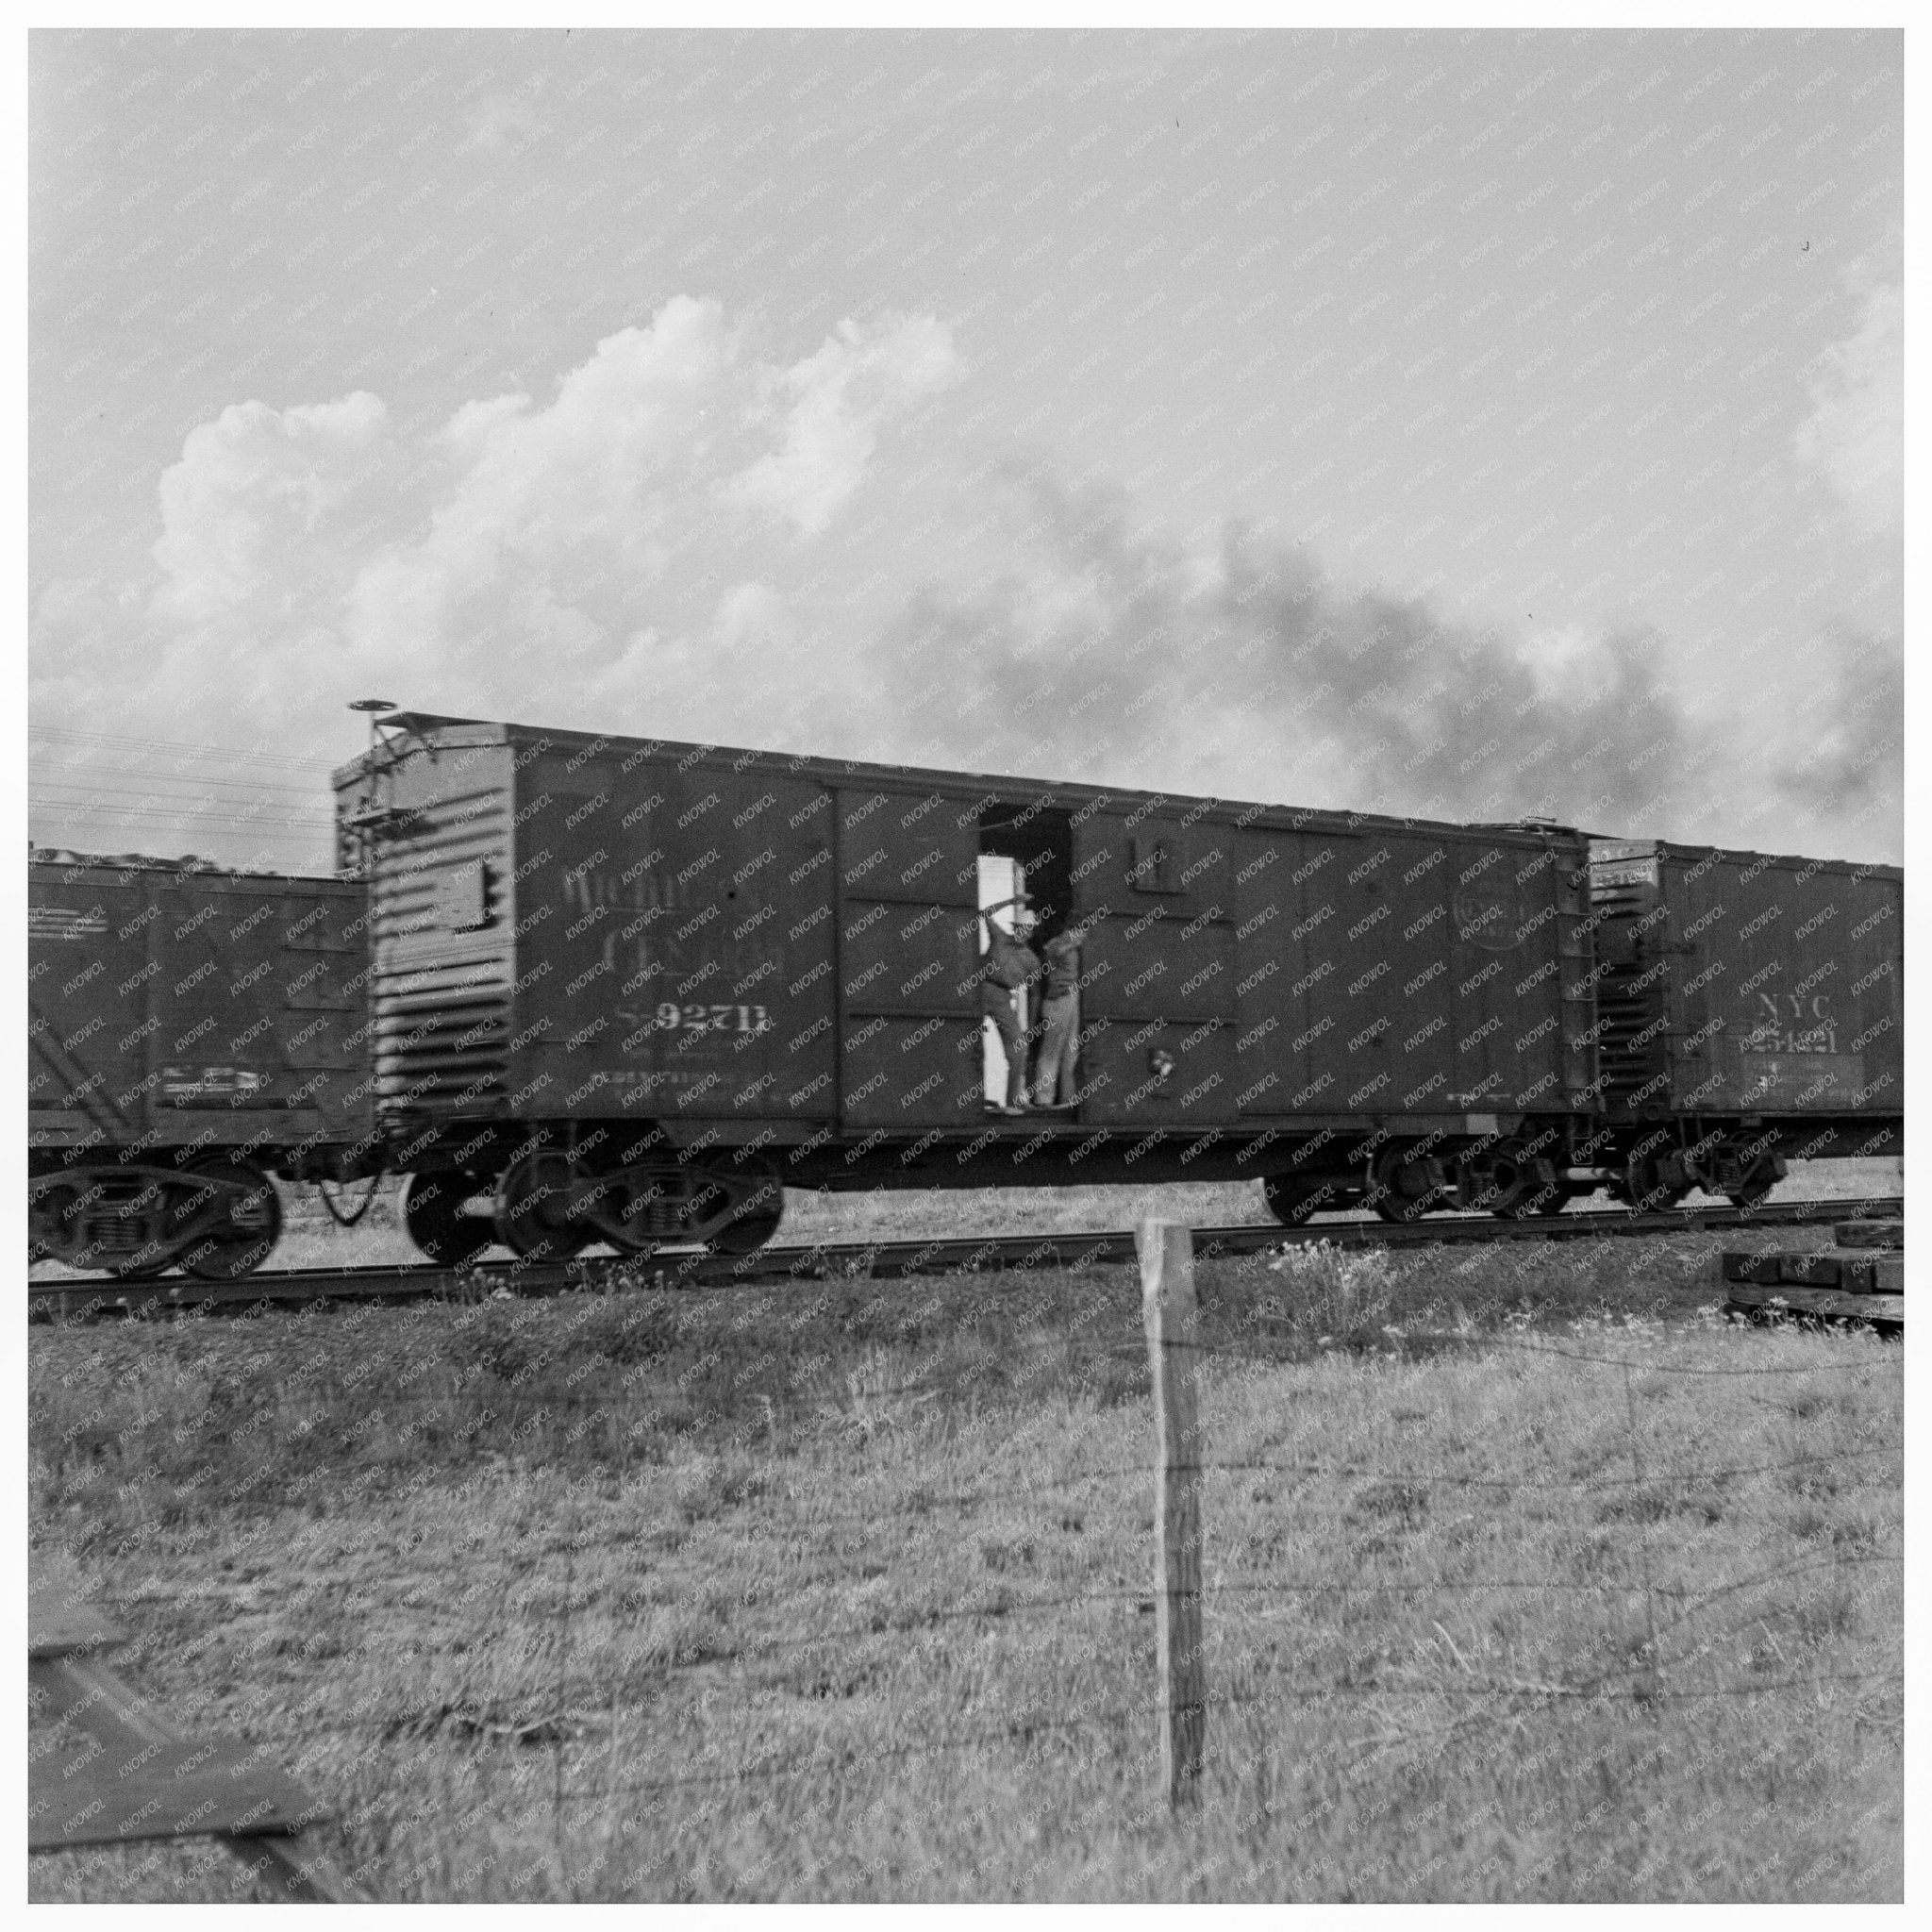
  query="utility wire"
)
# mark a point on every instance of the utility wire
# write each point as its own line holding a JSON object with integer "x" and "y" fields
{"x": 227, "y": 754}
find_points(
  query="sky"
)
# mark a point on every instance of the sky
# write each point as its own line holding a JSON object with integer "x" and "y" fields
{"x": 1465, "y": 425}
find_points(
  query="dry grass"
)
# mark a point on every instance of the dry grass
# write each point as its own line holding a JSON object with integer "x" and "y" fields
{"x": 840, "y": 1591}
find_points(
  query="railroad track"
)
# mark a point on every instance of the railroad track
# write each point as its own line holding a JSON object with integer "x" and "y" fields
{"x": 85, "y": 1299}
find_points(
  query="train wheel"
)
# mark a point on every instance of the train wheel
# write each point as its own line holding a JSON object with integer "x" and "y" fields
{"x": 754, "y": 1218}
{"x": 747, "y": 1233}
{"x": 245, "y": 1221}
{"x": 1403, "y": 1190}
{"x": 433, "y": 1214}
{"x": 52, "y": 1210}
{"x": 1534, "y": 1206}
{"x": 1757, "y": 1183}
{"x": 532, "y": 1209}
{"x": 1293, "y": 1198}
{"x": 146, "y": 1269}
{"x": 1401, "y": 1209}
{"x": 1525, "y": 1186}
{"x": 1642, "y": 1186}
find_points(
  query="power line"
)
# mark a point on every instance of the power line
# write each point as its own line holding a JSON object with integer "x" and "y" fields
{"x": 227, "y": 753}
{"x": 75, "y": 775}
{"x": 188, "y": 812}
{"x": 315, "y": 827}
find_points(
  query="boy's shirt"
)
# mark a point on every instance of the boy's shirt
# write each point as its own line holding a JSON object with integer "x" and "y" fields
{"x": 1010, "y": 962}
{"x": 1063, "y": 953}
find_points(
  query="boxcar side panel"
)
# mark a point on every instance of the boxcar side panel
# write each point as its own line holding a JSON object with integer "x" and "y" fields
{"x": 259, "y": 1006}
{"x": 1395, "y": 933}
{"x": 88, "y": 974}
{"x": 1784, "y": 985}
{"x": 1514, "y": 915}
{"x": 1281, "y": 903}
{"x": 909, "y": 958}
{"x": 192, "y": 1008}
{"x": 675, "y": 958}
{"x": 1159, "y": 998}
{"x": 1409, "y": 971}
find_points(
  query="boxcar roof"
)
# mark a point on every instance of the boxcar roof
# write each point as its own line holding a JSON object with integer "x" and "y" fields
{"x": 1609, "y": 850}
{"x": 428, "y": 724}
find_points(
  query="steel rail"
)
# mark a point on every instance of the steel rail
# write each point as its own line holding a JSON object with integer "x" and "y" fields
{"x": 82, "y": 1299}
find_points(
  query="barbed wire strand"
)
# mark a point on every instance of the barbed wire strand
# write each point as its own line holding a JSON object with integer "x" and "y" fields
{"x": 1502, "y": 1345}
{"x": 1001, "y": 1609}
{"x": 818, "y": 1763}
{"x": 447, "y": 1408}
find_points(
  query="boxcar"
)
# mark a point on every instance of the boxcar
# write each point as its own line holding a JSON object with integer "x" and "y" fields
{"x": 625, "y": 990}
{"x": 190, "y": 1032}
{"x": 1749, "y": 1008}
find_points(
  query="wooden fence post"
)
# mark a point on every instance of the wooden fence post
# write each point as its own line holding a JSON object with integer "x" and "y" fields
{"x": 1167, "y": 1301}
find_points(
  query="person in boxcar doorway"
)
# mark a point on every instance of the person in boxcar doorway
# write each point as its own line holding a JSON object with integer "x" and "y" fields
{"x": 1009, "y": 967}
{"x": 1054, "y": 1072}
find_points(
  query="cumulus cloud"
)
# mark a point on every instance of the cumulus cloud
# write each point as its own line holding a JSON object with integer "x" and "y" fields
{"x": 612, "y": 542}
{"x": 665, "y": 547}
{"x": 667, "y": 459}
{"x": 1855, "y": 435}
{"x": 826, "y": 413}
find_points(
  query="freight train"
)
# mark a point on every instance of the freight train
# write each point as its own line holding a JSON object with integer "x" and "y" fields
{"x": 583, "y": 989}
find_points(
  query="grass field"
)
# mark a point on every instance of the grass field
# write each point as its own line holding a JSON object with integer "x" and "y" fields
{"x": 840, "y": 1590}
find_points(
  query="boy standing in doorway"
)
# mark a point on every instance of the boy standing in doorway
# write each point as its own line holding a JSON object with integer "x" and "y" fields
{"x": 1010, "y": 964}
{"x": 1054, "y": 1075}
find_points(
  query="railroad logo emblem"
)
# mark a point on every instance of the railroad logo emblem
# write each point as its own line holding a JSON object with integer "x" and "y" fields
{"x": 212, "y": 1083}
{"x": 1488, "y": 914}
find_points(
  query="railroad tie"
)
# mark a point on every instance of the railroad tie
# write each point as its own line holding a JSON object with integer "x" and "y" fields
{"x": 1862, "y": 1279}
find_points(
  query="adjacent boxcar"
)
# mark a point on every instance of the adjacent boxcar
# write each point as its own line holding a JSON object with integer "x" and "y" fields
{"x": 624, "y": 990}
{"x": 1749, "y": 1008}
{"x": 189, "y": 1033}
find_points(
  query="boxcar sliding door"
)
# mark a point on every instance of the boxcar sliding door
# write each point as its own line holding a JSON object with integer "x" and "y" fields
{"x": 1157, "y": 999}
{"x": 908, "y": 954}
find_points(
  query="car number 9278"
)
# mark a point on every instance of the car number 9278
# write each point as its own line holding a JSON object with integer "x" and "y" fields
{"x": 700, "y": 1019}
